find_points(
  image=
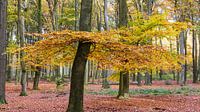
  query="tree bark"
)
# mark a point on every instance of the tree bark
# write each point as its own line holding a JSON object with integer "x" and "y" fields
{"x": 22, "y": 63}
{"x": 194, "y": 56}
{"x": 39, "y": 20}
{"x": 105, "y": 83}
{"x": 139, "y": 79}
{"x": 182, "y": 52}
{"x": 124, "y": 75}
{"x": 78, "y": 68}
{"x": 3, "y": 44}
{"x": 106, "y": 14}
{"x": 123, "y": 85}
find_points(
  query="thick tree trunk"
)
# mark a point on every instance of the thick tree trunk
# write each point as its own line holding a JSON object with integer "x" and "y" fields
{"x": 78, "y": 68}
{"x": 124, "y": 76}
{"x": 123, "y": 85}
{"x": 3, "y": 44}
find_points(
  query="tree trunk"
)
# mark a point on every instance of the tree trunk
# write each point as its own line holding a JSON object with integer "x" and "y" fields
{"x": 194, "y": 56}
{"x": 39, "y": 20}
{"x": 123, "y": 85}
{"x": 124, "y": 76}
{"x": 78, "y": 68}
{"x": 36, "y": 79}
{"x": 177, "y": 49}
{"x": 3, "y": 44}
{"x": 76, "y": 15}
{"x": 139, "y": 79}
{"x": 22, "y": 63}
{"x": 182, "y": 52}
{"x": 106, "y": 14}
{"x": 147, "y": 78}
{"x": 199, "y": 55}
{"x": 105, "y": 83}
{"x": 9, "y": 68}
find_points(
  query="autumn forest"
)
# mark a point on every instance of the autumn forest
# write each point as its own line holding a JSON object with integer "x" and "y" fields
{"x": 99, "y": 55}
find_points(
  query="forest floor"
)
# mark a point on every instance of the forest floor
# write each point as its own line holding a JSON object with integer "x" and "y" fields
{"x": 50, "y": 99}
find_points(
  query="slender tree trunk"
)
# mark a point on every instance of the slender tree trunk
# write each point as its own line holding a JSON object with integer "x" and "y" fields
{"x": 178, "y": 49}
{"x": 22, "y": 63}
{"x": 139, "y": 79}
{"x": 182, "y": 52}
{"x": 39, "y": 20}
{"x": 105, "y": 83}
{"x": 3, "y": 44}
{"x": 194, "y": 56}
{"x": 199, "y": 55}
{"x": 36, "y": 79}
{"x": 148, "y": 78}
{"x": 9, "y": 68}
{"x": 21, "y": 37}
{"x": 106, "y": 14}
{"x": 76, "y": 15}
{"x": 78, "y": 68}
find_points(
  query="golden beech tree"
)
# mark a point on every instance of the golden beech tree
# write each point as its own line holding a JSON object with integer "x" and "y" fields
{"x": 126, "y": 48}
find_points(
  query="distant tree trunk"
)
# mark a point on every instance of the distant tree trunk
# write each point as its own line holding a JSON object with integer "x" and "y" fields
{"x": 150, "y": 7}
{"x": 171, "y": 50}
{"x": 36, "y": 78}
{"x": 76, "y": 15}
{"x": 149, "y": 12}
{"x": 53, "y": 10}
{"x": 39, "y": 20}
{"x": 139, "y": 79}
{"x": 106, "y": 14}
{"x": 78, "y": 68}
{"x": 178, "y": 49}
{"x": 147, "y": 78}
{"x": 182, "y": 52}
{"x": 194, "y": 56}
{"x": 160, "y": 74}
{"x": 3, "y": 44}
{"x": 199, "y": 55}
{"x": 133, "y": 77}
{"x": 9, "y": 68}
{"x": 105, "y": 83}
{"x": 124, "y": 75}
{"x": 22, "y": 63}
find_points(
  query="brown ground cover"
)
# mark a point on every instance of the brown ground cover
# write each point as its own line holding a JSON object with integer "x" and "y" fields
{"x": 48, "y": 99}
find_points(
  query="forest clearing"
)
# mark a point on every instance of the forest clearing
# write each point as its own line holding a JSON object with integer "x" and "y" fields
{"x": 49, "y": 99}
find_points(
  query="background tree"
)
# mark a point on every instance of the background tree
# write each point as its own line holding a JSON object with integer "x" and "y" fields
{"x": 3, "y": 44}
